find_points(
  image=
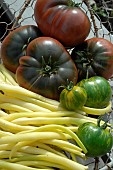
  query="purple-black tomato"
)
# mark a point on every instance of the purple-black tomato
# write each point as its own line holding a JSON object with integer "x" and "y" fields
{"x": 62, "y": 20}
{"x": 94, "y": 57}
{"x": 15, "y": 43}
{"x": 46, "y": 67}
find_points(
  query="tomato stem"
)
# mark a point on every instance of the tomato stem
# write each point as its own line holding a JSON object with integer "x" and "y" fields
{"x": 69, "y": 87}
{"x": 72, "y": 3}
{"x": 48, "y": 67}
{"x": 105, "y": 125}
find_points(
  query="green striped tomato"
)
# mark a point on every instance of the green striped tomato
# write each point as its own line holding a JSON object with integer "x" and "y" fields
{"x": 98, "y": 90}
{"x": 97, "y": 140}
{"x": 73, "y": 98}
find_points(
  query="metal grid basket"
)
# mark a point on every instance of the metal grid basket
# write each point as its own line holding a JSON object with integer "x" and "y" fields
{"x": 14, "y": 13}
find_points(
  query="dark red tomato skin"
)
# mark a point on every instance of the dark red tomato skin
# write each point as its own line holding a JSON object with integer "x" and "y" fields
{"x": 46, "y": 67}
{"x": 15, "y": 43}
{"x": 97, "y": 141}
{"x": 94, "y": 57}
{"x": 69, "y": 25}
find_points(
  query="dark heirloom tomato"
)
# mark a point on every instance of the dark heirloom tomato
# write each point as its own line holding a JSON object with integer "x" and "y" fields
{"x": 14, "y": 45}
{"x": 46, "y": 67}
{"x": 94, "y": 57}
{"x": 62, "y": 21}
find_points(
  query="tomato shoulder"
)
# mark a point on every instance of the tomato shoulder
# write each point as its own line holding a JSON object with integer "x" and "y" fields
{"x": 47, "y": 66}
{"x": 15, "y": 44}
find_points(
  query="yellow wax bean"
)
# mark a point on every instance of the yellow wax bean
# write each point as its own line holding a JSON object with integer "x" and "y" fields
{"x": 13, "y": 107}
{"x": 16, "y": 115}
{"x": 21, "y": 103}
{"x": 21, "y": 146}
{"x": 8, "y": 75}
{"x": 3, "y": 113}
{"x": 62, "y": 143}
{"x": 38, "y": 163}
{"x": 96, "y": 111}
{"x": 56, "y": 128}
{"x": 15, "y": 166}
{"x": 32, "y": 136}
{"x": 11, "y": 127}
{"x": 22, "y": 91}
{"x": 58, "y": 160}
{"x": 33, "y": 101}
{"x": 47, "y": 120}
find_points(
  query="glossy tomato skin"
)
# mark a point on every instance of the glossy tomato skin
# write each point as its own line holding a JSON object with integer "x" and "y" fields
{"x": 46, "y": 67}
{"x": 14, "y": 45}
{"x": 94, "y": 57}
{"x": 55, "y": 18}
{"x": 98, "y": 141}
{"x": 73, "y": 99}
{"x": 99, "y": 92}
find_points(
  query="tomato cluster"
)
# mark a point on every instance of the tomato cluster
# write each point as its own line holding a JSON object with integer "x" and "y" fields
{"x": 42, "y": 63}
{"x": 38, "y": 54}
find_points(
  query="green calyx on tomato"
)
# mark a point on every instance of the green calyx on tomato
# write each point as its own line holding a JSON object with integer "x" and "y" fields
{"x": 96, "y": 138}
{"x": 98, "y": 91}
{"x": 73, "y": 97}
{"x": 93, "y": 57}
{"x": 72, "y": 3}
{"x": 46, "y": 66}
